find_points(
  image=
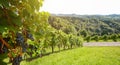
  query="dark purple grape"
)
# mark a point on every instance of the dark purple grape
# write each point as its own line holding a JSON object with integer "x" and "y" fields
{"x": 5, "y": 49}
{"x": 17, "y": 60}
{"x": 19, "y": 38}
{"x": 30, "y": 36}
{"x": 7, "y": 39}
{"x": 0, "y": 47}
{"x": 24, "y": 48}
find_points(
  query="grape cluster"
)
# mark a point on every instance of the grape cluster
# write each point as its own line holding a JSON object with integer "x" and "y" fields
{"x": 30, "y": 36}
{"x": 4, "y": 49}
{"x": 7, "y": 39}
{"x": 24, "y": 47}
{"x": 19, "y": 39}
{"x": 17, "y": 60}
{"x": 0, "y": 47}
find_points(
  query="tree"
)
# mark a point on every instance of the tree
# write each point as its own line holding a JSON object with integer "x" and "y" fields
{"x": 60, "y": 39}
{"x": 114, "y": 37}
{"x": 88, "y": 38}
{"x": 105, "y": 37}
{"x": 53, "y": 41}
{"x": 83, "y": 33}
{"x": 64, "y": 41}
{"x": 71, "y": 40}
{"x": 96, "y": 38}
{"x": 79, "y": 41}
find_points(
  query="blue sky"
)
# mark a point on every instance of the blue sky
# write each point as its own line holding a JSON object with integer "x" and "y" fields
{"x": 82, "y": 7}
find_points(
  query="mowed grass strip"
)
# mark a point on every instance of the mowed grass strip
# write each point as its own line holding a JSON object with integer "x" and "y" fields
{"x": 81, "y": 56}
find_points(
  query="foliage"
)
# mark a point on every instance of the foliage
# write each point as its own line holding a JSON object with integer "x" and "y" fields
{"x": 105, "y": 38}
{"x": 86, "y": 25}
{"x": 96, "y": 38}
{"x": 26, "y": 33}
{"x": 114, "y": 37}
{"x": 83, "y": 33}
{"x": 88, "y": 38}
{"x": 17, "y": 20}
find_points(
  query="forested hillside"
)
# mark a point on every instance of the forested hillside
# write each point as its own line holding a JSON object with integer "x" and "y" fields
{"x": 87, "y": 25}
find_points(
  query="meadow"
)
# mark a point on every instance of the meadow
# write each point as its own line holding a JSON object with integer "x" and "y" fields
{"x": 80, "y": 56}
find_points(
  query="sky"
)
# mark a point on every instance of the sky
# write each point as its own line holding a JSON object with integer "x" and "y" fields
{"x": 82, "y": 7}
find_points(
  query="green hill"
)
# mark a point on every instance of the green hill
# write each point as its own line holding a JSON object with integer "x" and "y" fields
{"x": 86, "y": 25}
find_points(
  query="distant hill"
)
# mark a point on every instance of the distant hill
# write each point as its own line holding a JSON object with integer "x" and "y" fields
{"x": 91, "y": 24}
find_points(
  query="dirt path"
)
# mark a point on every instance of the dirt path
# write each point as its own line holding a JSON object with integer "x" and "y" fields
{"x": 102, "y": 44}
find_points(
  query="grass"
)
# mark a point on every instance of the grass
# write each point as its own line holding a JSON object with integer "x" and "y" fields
{"x": 81, "y": 56}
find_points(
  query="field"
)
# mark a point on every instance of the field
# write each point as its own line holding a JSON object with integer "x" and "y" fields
{"x": 81, "y": 56}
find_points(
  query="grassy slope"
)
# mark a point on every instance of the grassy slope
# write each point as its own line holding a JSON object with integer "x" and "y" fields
{"x": 81, "y": 56}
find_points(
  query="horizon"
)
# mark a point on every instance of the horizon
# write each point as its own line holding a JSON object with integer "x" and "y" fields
{"x": 81, "y": 7}
{"x": 83, "y": 14}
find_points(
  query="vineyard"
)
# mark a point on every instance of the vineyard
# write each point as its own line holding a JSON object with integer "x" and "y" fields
{"x": 25, "y": 32}
{"x": 30, "y": 36}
